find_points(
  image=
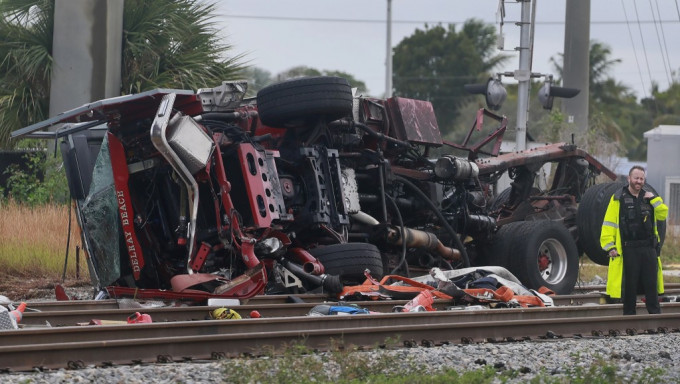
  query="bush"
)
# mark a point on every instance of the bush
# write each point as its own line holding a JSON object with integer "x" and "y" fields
{"x": 41, "y": 180}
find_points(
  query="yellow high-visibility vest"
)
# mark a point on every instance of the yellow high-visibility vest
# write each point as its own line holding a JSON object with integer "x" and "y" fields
{"x": 610, "y": 237}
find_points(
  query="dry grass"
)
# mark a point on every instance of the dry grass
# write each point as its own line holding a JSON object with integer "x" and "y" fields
{"x": 33, "y": 241}
{"x": 670, "y": 253}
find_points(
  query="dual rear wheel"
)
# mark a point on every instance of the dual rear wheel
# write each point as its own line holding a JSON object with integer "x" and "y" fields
{"x": 539, "y": 253}
{"x": 590, "y": 215}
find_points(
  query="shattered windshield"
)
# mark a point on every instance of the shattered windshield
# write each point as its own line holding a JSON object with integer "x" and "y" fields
{"x": 99, "y": 213}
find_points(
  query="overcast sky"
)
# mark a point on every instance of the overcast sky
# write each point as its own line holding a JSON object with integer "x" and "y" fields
{"x": 350, "y": 35}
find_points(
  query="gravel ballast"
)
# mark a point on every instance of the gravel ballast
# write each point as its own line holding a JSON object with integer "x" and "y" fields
{"x": 631, "y": 355}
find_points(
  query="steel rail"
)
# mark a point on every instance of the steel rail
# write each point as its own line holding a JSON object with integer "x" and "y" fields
{"x": 66, "y": 316}
{"x": 113, "y": 303}
{"x": 301, "y": 323}
{"x": 216, "y": 339}
{"x": 62, "y": 313}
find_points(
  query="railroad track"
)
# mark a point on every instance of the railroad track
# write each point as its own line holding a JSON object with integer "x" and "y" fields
{"x": 210, "y": 339}
{"x": 180, "y": 334}
{"x": 302, "y": 323}
{"x": 64, "y": 313}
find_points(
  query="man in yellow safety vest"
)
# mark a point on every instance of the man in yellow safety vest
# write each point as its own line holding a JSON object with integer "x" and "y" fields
{"x": 630, "y": 236}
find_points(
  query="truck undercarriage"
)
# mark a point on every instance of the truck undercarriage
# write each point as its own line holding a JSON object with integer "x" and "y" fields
{"x": 304, "y": 188}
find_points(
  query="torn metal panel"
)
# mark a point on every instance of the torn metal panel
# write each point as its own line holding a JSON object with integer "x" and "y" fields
{"x": 535, "y": 157}
{"x": 122, "y": 108}
{"x": 414, "y": 121}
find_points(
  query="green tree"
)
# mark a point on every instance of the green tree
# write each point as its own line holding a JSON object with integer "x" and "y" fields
{"x": 25, "y": 63}
{"x": 665, "y": 106}
{"x": 434, "y": 63}
{"x": 613, "y": 107}
{"x": 602, "y": 87}
{"x": 166, "y": 43}
{"x": 173, "y": 43}
{"x": 257, "y": 78}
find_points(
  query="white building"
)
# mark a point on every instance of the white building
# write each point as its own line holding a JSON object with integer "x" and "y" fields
{"x": 663, "y": 168}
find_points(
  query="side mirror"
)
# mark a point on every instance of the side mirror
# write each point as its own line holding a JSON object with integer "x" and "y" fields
{"x": 493, "y": 91}
{"x": 548, "y": 93}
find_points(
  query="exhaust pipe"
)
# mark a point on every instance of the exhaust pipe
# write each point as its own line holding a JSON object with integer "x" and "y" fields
{"x": 330, "y": 283}
{"x": 414, "y": 238}
{"x": 310, "y": 264}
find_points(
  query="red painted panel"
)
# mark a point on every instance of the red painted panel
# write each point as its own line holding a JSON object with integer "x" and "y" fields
{"x": 120, "y": 180}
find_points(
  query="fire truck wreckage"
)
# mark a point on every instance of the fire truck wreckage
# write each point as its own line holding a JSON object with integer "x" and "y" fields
{"x": 192, "y": 195}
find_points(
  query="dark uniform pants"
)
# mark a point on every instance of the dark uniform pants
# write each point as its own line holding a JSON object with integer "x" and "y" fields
{"x": 640, "y": 267}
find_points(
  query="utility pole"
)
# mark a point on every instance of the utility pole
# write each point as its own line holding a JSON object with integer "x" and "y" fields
{"x": 87, "y": 48}
{"x": 388, "y": 56}
{"x": 494, "y": 91}
{"x": 523, "y": 76}
{"x": 576, "y": 66}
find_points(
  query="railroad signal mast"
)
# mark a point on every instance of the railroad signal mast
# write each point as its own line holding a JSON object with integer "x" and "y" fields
{"x": 494, "y": 91}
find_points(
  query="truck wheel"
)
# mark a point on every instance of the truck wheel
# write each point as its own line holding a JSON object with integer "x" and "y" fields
{"x": 304, "y": 100}
{"x": 590, "y": 215}
{"x": 544, "y": 254}
{"x": 496, "y": 253}
{"x": 500, "y": 199}
{"x": 349, "y": 261}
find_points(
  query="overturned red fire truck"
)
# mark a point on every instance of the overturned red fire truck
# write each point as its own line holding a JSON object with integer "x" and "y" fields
{"x": 184, "y": 194}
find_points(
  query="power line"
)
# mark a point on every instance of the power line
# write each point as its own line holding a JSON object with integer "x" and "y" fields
{"x": 433, "y": 22}
{"x": 664, "y": 52}
{"x": 632, "y": 43}
{"x": 644, "y": 48}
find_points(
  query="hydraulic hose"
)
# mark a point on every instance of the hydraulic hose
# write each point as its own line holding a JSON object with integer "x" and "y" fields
{"x": 459, "y": 243}
{"x": 402, "y": 235}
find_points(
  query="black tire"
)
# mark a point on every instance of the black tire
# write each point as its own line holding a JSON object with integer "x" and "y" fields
{"x": 500, "y": 199}
{"x": 590, "y": 215}
{"x": 545, "y": 254}
{"x": 304, "y": 100}
{"x": 497, "y": 252}
{"x": 350, "y": 260}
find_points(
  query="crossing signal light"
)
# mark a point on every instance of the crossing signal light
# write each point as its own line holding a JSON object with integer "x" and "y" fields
{"x": 548, "y": 93}
{"x": 493, "y": 91}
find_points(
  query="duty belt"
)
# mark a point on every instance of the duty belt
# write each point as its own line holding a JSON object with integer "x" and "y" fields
{"x": 638, "y": 243}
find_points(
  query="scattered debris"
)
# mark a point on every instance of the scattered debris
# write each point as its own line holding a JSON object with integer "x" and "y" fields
{"x": 224, "y": 313}
{"x": 326, "y": 309}
{"x": 137, "y": 318}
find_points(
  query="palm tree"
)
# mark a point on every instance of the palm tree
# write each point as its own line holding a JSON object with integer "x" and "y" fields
{"x": 25, "y": 63}
{"x": 166, "y": 43}
{"x": 602, "y": 87}
{"x": 613, "y": 107}
{"x": 173, "y": 43}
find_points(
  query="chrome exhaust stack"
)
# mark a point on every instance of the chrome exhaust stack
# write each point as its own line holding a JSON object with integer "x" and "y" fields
{"x": 187, "y": 148}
